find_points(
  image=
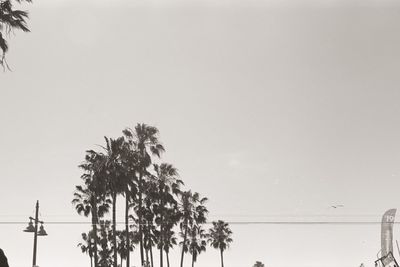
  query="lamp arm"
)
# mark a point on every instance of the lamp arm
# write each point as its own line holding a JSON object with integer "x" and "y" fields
{"x": 35, "y": 220}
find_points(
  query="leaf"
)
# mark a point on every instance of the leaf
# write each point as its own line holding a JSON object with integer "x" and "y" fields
{"x": 3, "y": 44}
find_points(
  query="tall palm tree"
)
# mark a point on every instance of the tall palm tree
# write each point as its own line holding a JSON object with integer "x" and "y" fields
{"x": 90, "y": 198}
{"x": 130, "y": 164}
{"x": 193, "y": 212}
{"x": 197, "y": 242}
{"x": 144, "y": 140}
{"x": 87, "y": 245}
{"x": 116, "y": 180}
{"x": 220, "y": 236}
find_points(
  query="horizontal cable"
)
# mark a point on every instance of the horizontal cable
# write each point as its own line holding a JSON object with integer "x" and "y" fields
{"x": 229, "y": 222}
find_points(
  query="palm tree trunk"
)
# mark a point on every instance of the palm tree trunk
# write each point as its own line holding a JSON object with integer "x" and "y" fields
{"x": 94, "y": 226}
{"x": 222, "y": 258}
{"x": 140, "y": 217}
{"x": 184, "y": 241}
{"x": 121, "y": 260}
{"x": 90, "y": 249}
{"x": 127, "y": 229}
{"x": 161, "y": 257}
{"x": 167, "y": 258}
{"x": 193, "y": 261}
{"x": 161, "y": 239}
{"x": 147, "y": 255}
{"x": 151, "y": 256}
{"x": 114, "y": 228}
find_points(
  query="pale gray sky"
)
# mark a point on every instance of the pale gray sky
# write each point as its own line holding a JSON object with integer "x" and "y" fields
{"x": 274, "y": 110}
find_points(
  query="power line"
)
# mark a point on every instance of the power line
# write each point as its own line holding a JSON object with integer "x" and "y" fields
{"x": 229, "y": 222}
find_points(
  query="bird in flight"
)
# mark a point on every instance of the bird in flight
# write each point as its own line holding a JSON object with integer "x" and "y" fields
{"x": 337, "y": 206}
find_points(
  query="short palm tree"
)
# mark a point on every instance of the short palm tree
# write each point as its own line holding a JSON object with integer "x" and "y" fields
{"x": 88, "y": 202}
{"x": 259, "y": 264}
{"x": 87, "y": 246}
{"x": 149, "y": 240}
{"x": 220, "y": 237}
{"x": 170, "y": 242}
{"x": 105, "y": 241}
{"x": 149, "y": 227}
{"x": 197, "y": 242}
{"x": 171, "y": 219}
{"x": 167, "y": 186}
{"x": 192, "y": 212}
{"x": 121, "y": 245}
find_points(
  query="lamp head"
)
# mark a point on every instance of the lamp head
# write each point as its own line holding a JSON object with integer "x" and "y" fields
{"x": 30, "y": 228}
{"x": 41, "y": 232}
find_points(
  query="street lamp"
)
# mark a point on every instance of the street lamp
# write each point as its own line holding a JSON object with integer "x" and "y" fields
{"x": 34, "y": 229}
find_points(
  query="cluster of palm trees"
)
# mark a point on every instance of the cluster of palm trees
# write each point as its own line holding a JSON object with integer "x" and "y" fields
{"x": 159, "y": 213}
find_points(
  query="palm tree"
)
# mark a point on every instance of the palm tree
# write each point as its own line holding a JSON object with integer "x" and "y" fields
{"x": 149, "y": 239}
{"x": 259, "y": 264}
{"x": 87, "y": 245}
{"x": 149, "y": 230}
{"x": 130, "y": 162}
{"x": 90, "y": 199}
{"x": 192, "y": 211}
{"x": 220, "y": 237}
{"x": 123, "y": 252}
{"x": 150, "y": 234}
{"x": 197, "y": 242}
{"x": 116, "y": 180}
{"x": 168, "y": 185}
{"x": 86, "y": 203}
{"x": 106, "y": 235}
{"x": 144, "y": 140}
{"x": 172, "y": 216}
{"x": 170, "y": 242}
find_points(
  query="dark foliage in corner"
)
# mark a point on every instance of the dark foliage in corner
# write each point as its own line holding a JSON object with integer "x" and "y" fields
{"x": 10, "y": 19}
